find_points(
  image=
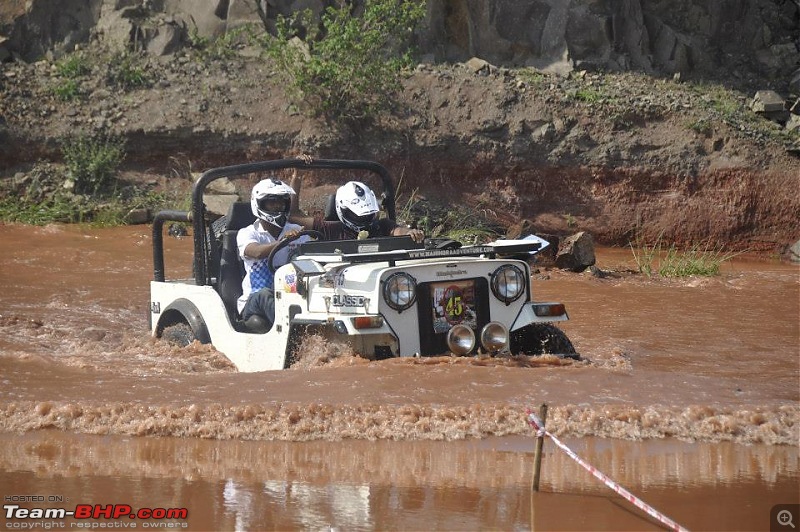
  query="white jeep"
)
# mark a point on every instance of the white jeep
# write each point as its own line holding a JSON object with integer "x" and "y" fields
{"x": 384, "y": 297}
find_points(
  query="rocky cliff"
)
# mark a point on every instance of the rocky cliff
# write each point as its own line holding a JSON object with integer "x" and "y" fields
{"x": 747, "y": 40}
{"x": 614, "y": 127}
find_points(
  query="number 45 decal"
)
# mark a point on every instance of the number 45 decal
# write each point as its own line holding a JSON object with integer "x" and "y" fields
{"x": 454, "y": 306}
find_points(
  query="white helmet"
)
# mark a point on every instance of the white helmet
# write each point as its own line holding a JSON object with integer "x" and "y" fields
{"x": 356, "y": 205}
{"x": 266, "y": 191}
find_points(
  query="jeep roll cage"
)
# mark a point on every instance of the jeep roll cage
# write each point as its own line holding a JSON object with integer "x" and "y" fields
{"x": 388, "y": 249}
{"x": 197, "y": 216}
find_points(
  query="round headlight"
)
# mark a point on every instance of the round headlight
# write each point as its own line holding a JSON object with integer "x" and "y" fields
{"x": 494, "y": 336}
{"x": 400, "y": 291}
{"x": 508, "y": 283}
{"x": 460, "y": 340}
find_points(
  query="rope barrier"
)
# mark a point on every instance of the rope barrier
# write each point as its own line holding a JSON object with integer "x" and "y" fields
{"x": 536, "y": 423}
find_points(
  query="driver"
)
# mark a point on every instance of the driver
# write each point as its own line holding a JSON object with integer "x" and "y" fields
{"x": 357, "y": 209}
{"x": 270, "y": 202}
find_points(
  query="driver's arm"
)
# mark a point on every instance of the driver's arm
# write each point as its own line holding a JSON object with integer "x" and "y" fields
{"x": 262, "y": 251}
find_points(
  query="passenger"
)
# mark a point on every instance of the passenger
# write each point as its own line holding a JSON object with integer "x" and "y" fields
{"x": 357, "y": 209}
{"x": 270, "y": 202}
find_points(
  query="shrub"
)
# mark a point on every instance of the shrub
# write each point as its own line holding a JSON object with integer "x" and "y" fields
{"x": 92, "y": 162}
{"x": 467, "y": 224}
{"x": 702, "y": 126}
{"x": 126, "y": 70}
{"x": 70, "y": 69}
{"x": 67, "y": 90}
{"x": 73, "y": 66}
{"x": 347, "y": 66}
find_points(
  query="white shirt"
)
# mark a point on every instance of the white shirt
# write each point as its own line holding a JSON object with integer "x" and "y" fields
{"x": 257, "y": 274}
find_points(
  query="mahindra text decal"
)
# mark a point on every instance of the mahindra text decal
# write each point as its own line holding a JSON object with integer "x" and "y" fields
{"x": 451, "y": 274}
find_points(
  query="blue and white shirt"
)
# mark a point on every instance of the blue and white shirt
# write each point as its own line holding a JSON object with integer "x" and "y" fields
{"x": 257, "y": 274}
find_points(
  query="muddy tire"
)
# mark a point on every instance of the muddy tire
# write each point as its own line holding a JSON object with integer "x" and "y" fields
{"x": 296, "y": 335}
{"x": 179, "y": 334}
{"x": 542, "y": 338}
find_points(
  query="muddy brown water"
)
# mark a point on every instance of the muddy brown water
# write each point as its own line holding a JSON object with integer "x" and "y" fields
{"x": 690, "y": 398}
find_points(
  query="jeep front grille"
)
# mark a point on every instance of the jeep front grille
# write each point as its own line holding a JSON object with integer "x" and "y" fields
{"x": 443, "y": 304}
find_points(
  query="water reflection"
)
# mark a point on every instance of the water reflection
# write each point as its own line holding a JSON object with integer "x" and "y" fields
{"x": 362, "y": 485}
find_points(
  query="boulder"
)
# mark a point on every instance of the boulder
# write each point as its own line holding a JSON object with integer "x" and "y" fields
{"x": 242, "y": 12}
{"x": 206, "y": 17}
{"x": 114, "y": 28}
{"x": 576, "y": 252}
{"x": 219, "y": 203}
{"x": 793, "y": 124}
{"x": 768, "y": 102}
{"x": 222, "y": 186}
{"x": 477, "y": 65}
{"x": 165, "y": 39}
{"x": 794, "y": 252}
{"x": 138, "y": 216}
{"x": 770, "y": 105}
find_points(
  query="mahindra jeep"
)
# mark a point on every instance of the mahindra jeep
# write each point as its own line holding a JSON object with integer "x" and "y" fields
{"x": 383, "y": 297}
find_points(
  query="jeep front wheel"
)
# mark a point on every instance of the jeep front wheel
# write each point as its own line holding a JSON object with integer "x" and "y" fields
{"x": 179, "y": 334}
{"x": 540, "y": 338}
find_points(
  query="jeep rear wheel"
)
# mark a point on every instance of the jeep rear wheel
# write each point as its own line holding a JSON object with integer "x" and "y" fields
{"x": 179, "y": 334}
{"x": 540, "y": 338}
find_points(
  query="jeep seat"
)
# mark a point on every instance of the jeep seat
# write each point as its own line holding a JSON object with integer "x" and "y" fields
{"x": 330, "y": 209}
{"x": 231, "y": 267}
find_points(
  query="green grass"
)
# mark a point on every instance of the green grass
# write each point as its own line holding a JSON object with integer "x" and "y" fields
{"x": 64, "y": 207}
{"x": 67, "y": 90}
{"x": 74, "y": 66}
{"x": 127, "y": 71}
{"x": 55, "y": 210}
{"x": 70, "y": 69}
{"x": 590, "y": 96}
{"x": 703, "y": 261}
{"x": 669, "y": 261}
{"x": 533, "y": 77}
{"x": 703, "y": 126}
{"x": 726, "y": 105}
{"x": 48, "y": 192}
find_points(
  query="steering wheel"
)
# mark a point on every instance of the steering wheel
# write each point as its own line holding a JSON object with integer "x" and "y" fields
{"x": 286, "y": 241}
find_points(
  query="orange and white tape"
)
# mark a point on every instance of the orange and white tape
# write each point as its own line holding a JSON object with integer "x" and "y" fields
{"x": 536, "y": 423}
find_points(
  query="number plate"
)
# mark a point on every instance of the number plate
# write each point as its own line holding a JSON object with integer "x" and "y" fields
{"x": 453, "y": 302}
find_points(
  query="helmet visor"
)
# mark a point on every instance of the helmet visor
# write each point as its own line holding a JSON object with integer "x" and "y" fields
{"x": 359, "y": 221}
{"x": 274, "y": 204}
